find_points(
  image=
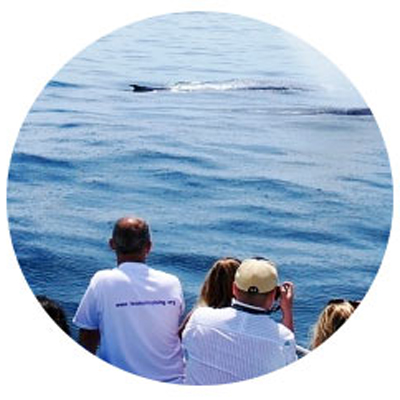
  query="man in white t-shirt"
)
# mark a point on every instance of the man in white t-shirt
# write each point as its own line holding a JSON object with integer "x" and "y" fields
{"x": 130, "y": 315}
{"x": 242, "y": 341}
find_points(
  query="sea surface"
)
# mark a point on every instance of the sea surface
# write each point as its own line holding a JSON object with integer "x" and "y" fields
{"x": 252, "y": 144}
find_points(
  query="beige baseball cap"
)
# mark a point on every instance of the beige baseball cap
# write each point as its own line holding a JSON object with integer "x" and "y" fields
{"x": 256, "y": 276}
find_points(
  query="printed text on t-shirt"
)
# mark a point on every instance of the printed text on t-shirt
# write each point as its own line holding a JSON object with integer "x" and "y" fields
{"x": 146, "y": 303}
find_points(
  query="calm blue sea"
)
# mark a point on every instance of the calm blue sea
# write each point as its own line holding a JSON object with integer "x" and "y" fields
{"x": 258, "y": 147}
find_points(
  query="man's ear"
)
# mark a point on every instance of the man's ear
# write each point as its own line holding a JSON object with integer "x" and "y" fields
{"x": 270, "y": 299}
{"x": 111, "y": 243}
{"x": 149, "y": 247}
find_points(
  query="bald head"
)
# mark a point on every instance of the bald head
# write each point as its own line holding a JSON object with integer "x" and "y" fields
{"x": 131, "y": 235}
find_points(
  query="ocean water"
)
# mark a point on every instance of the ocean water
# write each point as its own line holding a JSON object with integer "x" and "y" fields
{"x": 252, "y": 144}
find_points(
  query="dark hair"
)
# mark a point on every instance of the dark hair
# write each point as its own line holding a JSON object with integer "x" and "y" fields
{"x": 131, "y": 235}
{"x": 55, "y": 311}
{"x": 216, "y": 291}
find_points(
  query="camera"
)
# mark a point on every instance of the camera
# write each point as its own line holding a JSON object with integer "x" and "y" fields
{"x": 277, "y": 293}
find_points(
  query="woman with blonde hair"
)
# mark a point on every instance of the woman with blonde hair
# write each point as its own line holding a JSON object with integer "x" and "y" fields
{"x": 332, "y": 317}
{"x": 216, "y": 291}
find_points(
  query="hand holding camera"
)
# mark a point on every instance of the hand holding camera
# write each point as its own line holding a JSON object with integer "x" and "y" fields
{"x": 285, "y": 294}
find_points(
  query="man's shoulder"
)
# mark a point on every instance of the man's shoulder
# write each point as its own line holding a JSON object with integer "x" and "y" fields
{"x": 284, "y": 332}
{"x": 104, "y": 275}
{"x": 106, "y": 272}
{"x": 266, "y": 326}
{"x": 248, "y": 324}
{"x": 164, "y": 276}
{"x": 209, "y": 315}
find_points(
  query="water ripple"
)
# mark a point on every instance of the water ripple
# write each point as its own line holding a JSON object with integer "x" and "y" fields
{"x": 37, "y": 160}
{"x": 63, "y": 85}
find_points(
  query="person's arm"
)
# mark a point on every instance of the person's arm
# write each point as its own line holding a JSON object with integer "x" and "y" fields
{"x": 287, "y": 295}
{"x": 89, "y": 339}
{"x": 184, "y": 323}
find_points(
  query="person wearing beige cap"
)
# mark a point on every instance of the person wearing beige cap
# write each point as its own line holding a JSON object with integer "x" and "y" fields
{"x": 260, "y": 276}
{"x": 242, "y": 341}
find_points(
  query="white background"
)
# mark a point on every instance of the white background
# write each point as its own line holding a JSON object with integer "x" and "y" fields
{"x": 37, "y": 38}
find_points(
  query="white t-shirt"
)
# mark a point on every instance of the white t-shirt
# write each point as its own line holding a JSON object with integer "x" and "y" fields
{"x": 228, "y": 345}
{"x": 137, "y": 310}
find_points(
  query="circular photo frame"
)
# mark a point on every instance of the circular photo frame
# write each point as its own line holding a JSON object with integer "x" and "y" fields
{"x": 223, "y": 138}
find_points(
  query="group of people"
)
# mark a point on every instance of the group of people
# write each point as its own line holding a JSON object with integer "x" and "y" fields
{"x": 132, "y": 317}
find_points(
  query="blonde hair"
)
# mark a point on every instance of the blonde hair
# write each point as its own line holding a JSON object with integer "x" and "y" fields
{"x": 216, "y": 291}
{"x": 332, "y": 317}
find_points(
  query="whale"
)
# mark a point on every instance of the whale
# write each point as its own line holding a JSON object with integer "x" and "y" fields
{"x": 188, "y": 87}
{"x": 237, "y": 85}
{"x": 352, "y": 111}
{"x": 144, "y": 89}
